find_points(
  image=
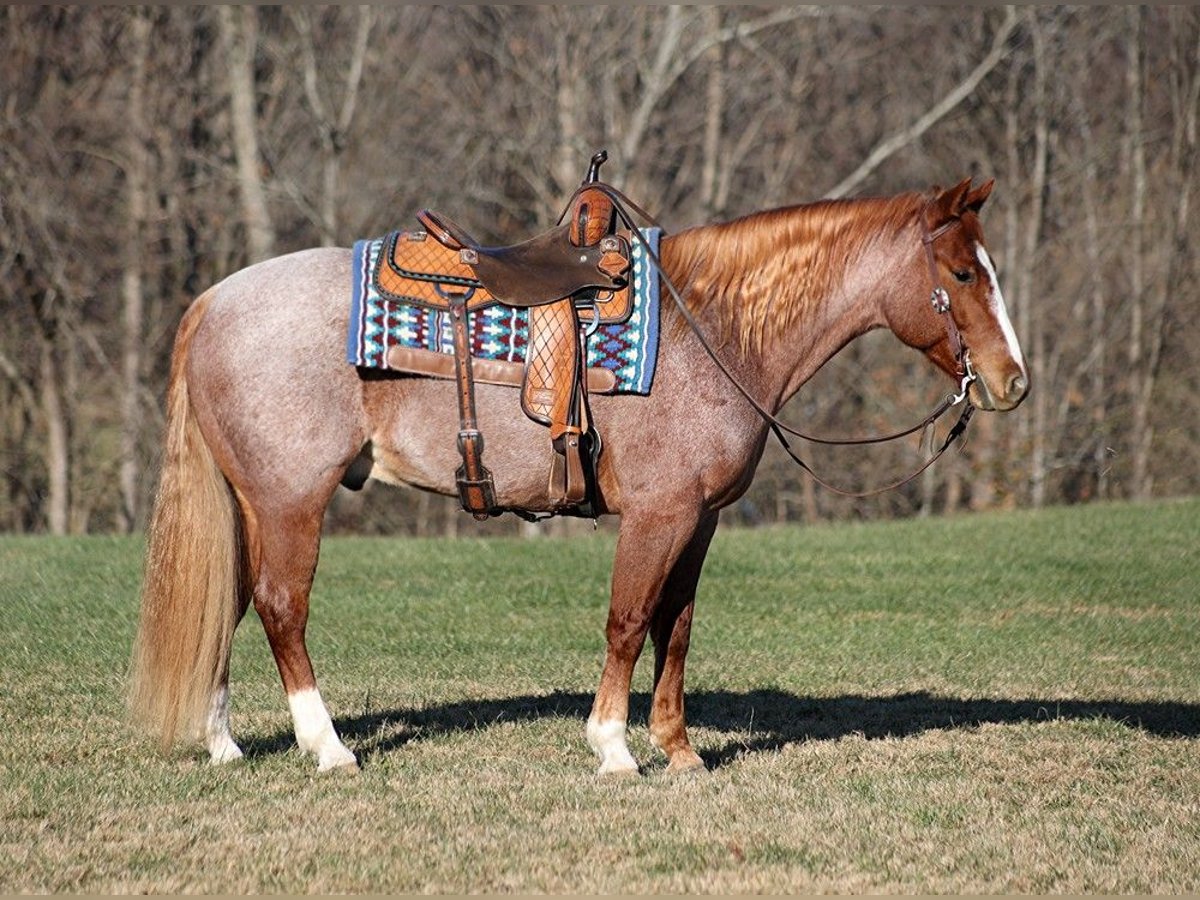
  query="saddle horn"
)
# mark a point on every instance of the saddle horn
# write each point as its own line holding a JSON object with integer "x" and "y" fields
{"x": 593, "y": 174}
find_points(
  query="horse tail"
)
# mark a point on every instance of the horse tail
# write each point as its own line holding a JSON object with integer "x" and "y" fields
{"x": 194, "y": 571}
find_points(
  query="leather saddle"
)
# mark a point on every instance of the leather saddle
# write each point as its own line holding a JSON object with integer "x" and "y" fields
{"x": 576, "y": 275}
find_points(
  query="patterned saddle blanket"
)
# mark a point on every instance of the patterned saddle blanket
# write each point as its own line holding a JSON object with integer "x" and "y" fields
{"x": 629, "y": 350}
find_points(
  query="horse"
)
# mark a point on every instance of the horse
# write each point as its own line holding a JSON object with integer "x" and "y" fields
{"x": 265, "y": 418}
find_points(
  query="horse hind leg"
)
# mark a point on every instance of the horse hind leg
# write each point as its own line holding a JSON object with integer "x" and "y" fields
{"x": 288, "y": 547}
{"x": 280, "y": 539}
{"x": 218, "y": 737}
{"x": 279, "y": 561}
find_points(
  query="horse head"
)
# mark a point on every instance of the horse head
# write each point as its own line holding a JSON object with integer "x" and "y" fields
{"x": 955, "y": 258}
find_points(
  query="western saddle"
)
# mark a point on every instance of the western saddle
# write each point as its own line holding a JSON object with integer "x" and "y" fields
{"x": 579, "y": 269}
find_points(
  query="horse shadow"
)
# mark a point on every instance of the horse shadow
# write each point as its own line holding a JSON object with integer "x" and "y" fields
{"x": 763, "y": 719}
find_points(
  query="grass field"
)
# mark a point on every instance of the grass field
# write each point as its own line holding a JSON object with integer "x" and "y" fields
{"x": 979, "y": 704}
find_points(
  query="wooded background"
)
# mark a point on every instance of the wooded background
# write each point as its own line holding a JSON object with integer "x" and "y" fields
{"x": 147, "y": 152}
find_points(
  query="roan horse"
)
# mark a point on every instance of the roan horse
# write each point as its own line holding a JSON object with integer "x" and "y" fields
{"x": 265, "y": 419}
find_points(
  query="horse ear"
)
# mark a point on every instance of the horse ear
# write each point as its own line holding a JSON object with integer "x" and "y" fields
{"x": 956, "y": 196}
{"x": 975, "y": 199}
{"x": 948, "y": 204}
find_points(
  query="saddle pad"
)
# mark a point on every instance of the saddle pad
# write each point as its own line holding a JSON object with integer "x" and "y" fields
{"x": 629, "y": 350}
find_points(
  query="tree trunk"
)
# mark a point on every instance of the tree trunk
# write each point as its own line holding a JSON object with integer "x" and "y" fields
{"x": 132, "y": 292}
{"x": 1097, "y": 329}
{"x": 1140, "y": 413}
{"x": 18, "y": 410}
{"x": 1037, "y": 314}
{"x": 568, "y": 163}
{"x": 1015, "y": 440}
{"x": 714, "y": 110}
{"x": 239, "y": 34}
{"x": 58, "y": 439}
{"x": 332, "y": 130}
{"x": 659, "y": 77}
{"x": 952, "y": 475}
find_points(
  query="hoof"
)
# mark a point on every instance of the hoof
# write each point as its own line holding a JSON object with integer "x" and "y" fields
{"x": 337, "y": 760}
{"x": 223, "y": 752}
{"x": 686, "y": 764}
{"x": 623, "y": 769}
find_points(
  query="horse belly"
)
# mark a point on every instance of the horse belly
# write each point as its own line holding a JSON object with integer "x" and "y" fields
{"x": 414, "y": 429}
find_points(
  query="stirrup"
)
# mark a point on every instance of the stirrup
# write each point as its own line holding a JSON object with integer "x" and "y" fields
{"x": 476, "y": 490}
{"x": 477, "y": 495}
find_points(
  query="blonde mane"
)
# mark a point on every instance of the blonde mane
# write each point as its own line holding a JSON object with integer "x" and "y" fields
{"x": 766, "y": 271}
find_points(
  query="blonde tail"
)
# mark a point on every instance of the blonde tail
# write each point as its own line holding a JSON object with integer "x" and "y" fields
{"x": 193, "y": 572}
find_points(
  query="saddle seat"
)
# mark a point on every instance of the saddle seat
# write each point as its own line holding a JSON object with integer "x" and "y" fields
{"x": 543, "y": 269}
{"x": 580, "y": 265}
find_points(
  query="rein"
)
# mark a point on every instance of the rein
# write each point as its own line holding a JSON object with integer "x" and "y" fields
{"x": 939, "y": 299}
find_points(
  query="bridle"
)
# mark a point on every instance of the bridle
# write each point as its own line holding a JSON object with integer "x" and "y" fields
{"x": 939, "y": 299}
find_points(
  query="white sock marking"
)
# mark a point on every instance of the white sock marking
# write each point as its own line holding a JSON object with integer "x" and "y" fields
{"x": 314, "y": 730}
{"x": 607, "y": 738}
{"x": 218, "y": 740}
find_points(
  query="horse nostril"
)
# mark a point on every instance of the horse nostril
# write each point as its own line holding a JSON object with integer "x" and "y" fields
{"x": 1017, "y": 386}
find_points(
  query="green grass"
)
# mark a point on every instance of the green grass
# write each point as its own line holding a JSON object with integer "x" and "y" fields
{"x": 992, "y": 703}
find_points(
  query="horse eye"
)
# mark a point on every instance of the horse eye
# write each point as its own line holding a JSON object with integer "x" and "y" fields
{"x": 964, "y": 276}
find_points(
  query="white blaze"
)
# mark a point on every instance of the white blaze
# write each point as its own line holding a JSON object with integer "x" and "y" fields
{"x": 999, "y": 309}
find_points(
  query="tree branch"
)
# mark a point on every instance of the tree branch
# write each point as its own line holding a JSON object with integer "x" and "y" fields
{"x": 906, "y": 136}
{"x": 10, "y": 371}
{"x": 366, "y": 20}
{"x": 664, "y": 73}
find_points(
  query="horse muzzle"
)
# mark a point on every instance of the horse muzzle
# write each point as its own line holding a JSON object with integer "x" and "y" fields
{"x": 1015, "y": 389}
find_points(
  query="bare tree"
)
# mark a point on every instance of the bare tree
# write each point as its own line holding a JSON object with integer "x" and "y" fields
{"x": 332, "y": 122}
{"x": 1033, "y": 318}
{"x": 136, "y": 169}
{"x": 239, "y": 37}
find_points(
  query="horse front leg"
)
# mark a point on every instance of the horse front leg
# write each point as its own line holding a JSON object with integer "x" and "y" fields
{"x": 670, "y": 631}
{"x": 648, "y": 548}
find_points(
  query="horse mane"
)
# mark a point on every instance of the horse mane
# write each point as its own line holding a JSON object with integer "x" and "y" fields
{"x": 766, "y": 271}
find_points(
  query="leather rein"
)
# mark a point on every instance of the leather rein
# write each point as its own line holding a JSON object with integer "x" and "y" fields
{"x": 939, "y": 299}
